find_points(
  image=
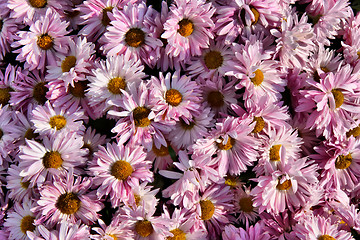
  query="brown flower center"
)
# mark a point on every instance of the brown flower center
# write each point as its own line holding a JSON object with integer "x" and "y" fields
{"x": 256, "y": 15}
{"x": 229, "y": 144}
{"x": 45, "y": 42}
{"x": 275, "y": 153}
{"x": 338, "y": 97}
{"x": 144, "y": 228}
{"x": 246, "y": 204}
{"x": 260, "y": 124}
{"x": 186, "y": 126}
{"x": 353, "y": 132}
{"x": 68, "y": 203}
{"x": 68, "y": 63}
{"x": 343, "y": 162}
{"x": 141, "y": 116}
{"x": 38, "y": 3}
{"x": 207, "y": 209}
{"x": 259, "y": 77}
{"x": 285, "y": 185}
{"x": 215, "y": 99}
{"x": 137, "y": 199}
{"x": 57, "y": 122}
{"x": 121, "y": 170}
{"x": 173, "y": 97}
{"x": 231, "y": 181}
{"x": 27, "y": 224}
{"x": 178, "y": 235}
{"x": 135, "y": 37}
{"x": 52, "y": 159}
{"x": 326, "y": 237}
{"x": 5, "y": 95}
{"x": 79, "y": 89}
{"x": 30, "y": 134}
{"x": 213, "y": 59}
{"x": 39, "y": 92}
{"x": 105, "y": 20}
{"x": 116, "y": 84}
{"x": 162, "y": 151}
{"x": 186, "y": 27}
{"x": 24, "y": 185}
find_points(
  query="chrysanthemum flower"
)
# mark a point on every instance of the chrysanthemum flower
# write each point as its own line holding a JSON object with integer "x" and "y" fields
{"x": 131, "y": 31}
{"x": 279, "y": 226}
{"x": 7, "y": 83}
{"x": 142, "y": 195}
{"x": 117, "y": 169}
{"x": 48, "y": 120}
{"x": 39, "y": 46}
{"x": 54, "y": 156}
{"x": 174, "y": 96}
{"x": 188, "y": 28}
{"x": 110, "y": 77}
{"x": 243, "y": 205}
{"x": 18, "y": 189}
{"x": 67, "y": 199}
{"x": 161, "y": 157}
{"x": 20, "y": 220}
{"x": 230, "y": 141}
{"x": 92, "y": 141}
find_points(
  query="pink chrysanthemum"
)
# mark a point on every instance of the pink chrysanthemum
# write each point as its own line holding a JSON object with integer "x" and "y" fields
{"x": 54, "y": 156}
{"x": 92, "y": 141}
{"x": 243, "y": 205}
{"x": 188, "y": 28}
{"x": 142, "y": 195}
{"x": 161, "y": 157}
{"x": 174, "y": 96}
{"x": 118, "y": 169}
{"x": 67, "y": 199}
{"x": 18, "y": 189}
{"x": 39, "y": 46}
{"x": 132, "y": 31}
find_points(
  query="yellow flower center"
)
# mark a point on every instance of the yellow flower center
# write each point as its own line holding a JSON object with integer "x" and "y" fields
{"x": 229, "y": 144}
{"x": 121, "y": 170}
{"x": 141, "y": 116}
{"x": 353, "y": 132}
{"x": 79, "y": 89}
{"x": 207, "y": 209}
{"x": 275, "y": 153}
{"x": 178, "y": 235}
{"x": 173, "y": 97}
{"x": 144, "y": 228}
{"x": 246, "y": 204}
{"x": 161, "y": 152}
{"x": 231, "y": 181}
{"x": 285, "y": 185}
{"x": 259, "y": 77}
{"x": 52, "y": 159}
{"x": 215, "y": 99}
{"x": 338, "y": 96}
{"x": 30, "y": 134}
{"x": 57, "y": 122}
{"x": 343, "y": 162}
{"x": 137, "y": 199}
{"x": 135, "y": 37}
{"x": 68, "y": 63}
{"x": 186, "y": 27}
{"x": 27, "y": 224}
{"x": 115, "y": 85}
{"x": 186, "y": 126}
{"x": 39, "y": 92}
{"x": 213, "y": 59}
{"x": 260, "y": 124}
{"x": 256, "y": 15}
{"x": 105, "y": 20}
{"x": 113, "y": 236}
{"x": 68, "y": 203}
{"x": 326, "y": 237}
{"x": 5, "y": 95}
{"x": 45, "y": 42}
{"x": 38, "y": 3}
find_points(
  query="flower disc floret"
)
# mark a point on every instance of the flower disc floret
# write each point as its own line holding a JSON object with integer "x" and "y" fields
{"x": 144, "y": 228}
{"x": 326, "y": 237}
{"x": 79, "y": 89}
{"x": 229, "y": 144}
{"x": 116, "y": 84}
{"x": 186, "y": 27}
{"x": 161, "y": 152}
{"x": 38, "y": 3}
{"x": 68, "y": 63}
{"x": 178, "y": 235}
{"x": 5, "y": 95}
{"x": 256, "y": 15}
{"x": 121, "y": 170}
{"x": 39, "y": 92}
{"x": 338, "y": 97}
{"x": 246, "y": 204}
{"x": 353, "y": 132}
{"x": 135, "y": 37}
{"x": 57, "y": 122}
{"x": 68, "y": 203}
{"x": 215, "y": 99}
{"x": 173, "y": 97}
{"x": 45, "y": 41}
{"x": 260, "y": 124}
{"x": 275, "y": 153}
{"x": 213, "y": 59}
{"x": 343, "y": 162}
{"x": 105, "y": 20}
{"x": 259, "y": 77}
{"x": 27, "y": 224}
{"x": 285, "y": 185}
{"x": 207, "y": 209}
{"x": 52, "y": 160}
{"x": 141, "y": 116}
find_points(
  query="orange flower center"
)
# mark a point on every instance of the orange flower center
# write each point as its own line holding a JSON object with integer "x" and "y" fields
{"x": 68, "y": 203}
{"x": 173, "y": 97}
{"x": 141, "y": 116}
{"x": 207, "y": 209}
{"x": 121, "y": 170}
{"x": 343, "y": 162}
{"x": 135, "y": 37}
{"x": 38, "y": 3}
{"x": 186, "y": 27}
{"x": 68, "y": 63}
{"x": 45, "y": 42}
{"x": 52, "y": 159}
{"x": 258, "y": 79}
{"x": 144, "y": 228}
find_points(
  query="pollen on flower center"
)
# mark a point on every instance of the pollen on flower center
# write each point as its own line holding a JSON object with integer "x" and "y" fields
{"x": 121, "y": 170}
{"x": 105, "y": 20}
{"x": 284, "y": 186}
{"x": 229, "y": 144}
{"x": 260, "y": 124}
{"x": 162, "y": 151}
{"x": 256, "y": 15}
{"x": 27, "y": 224}
{"x": 215, "y": 99}
{"x": 186, "y": 27}
{"x": 5, "y": 95}
{"x": 57, "y": 122}
{"x": 135, "y": 37}
{"x": 30, "y": 134}
{"x": 52, "y": 159}
{"x": 207, "y": 209}
{"x": 141, "y": 116}
{"x": 39, "y": 92}
{"x": 116, "y": 84}
{"x": 38, "y": 3}
{"x": 274, "y": 154}
{"x": 186, "y": 126}
{"x": 326, "y": 237}
{"x": 144, "y": 228}
{"x": 68, "y": 203}
{"x": 259, "y": 77}
{"x": 246, "y": 204}
{"x": 353, "y": 132}
{"x": 45, "y": 42}
{"x": 213, "y": 59}
{"x": 178, "y": 235}
{"x": 338, "y": 96}
{"x": 343, "y": 162}
{"x": 68, "y": 63}
{"x": 79, "y": 89}
{"x": 173, "y": 97}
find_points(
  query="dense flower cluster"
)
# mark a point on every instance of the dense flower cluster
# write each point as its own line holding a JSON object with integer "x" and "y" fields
{"x": 183, "y": 119}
